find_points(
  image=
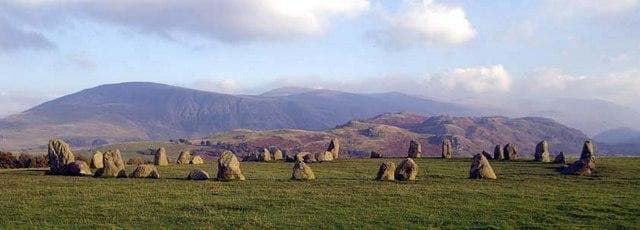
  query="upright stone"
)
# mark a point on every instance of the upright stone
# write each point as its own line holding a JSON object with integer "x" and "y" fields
{"x": 583, "y": 166}
{"x": 96, "y": 160}
{"x": 265, "y": 155}
{"x": 481, "y": 169}
{"x": 510, "y": 152}
{"x": 113, "y": 165}
{"x": 324, "y": 156}
{"x": 197, "y": 160}
{"x": 415, "y": 150}
{"x": 302, "y": 171}
{"x": 447, "y": 149}
{"x": 487, "y": 155}
{"x": 334, "y": 148}
{"x": 277, "y": 155}
{"x": 184, "y": 157}
{"x": 160, "y": 158}
{"x": 386, "y": 171}
{"x": 560, "y": 159}
{"x": 587, "y": 151}
{"x": 229, "y": 167}
{"x": 59, "y": 155}
{"x": 542, "y": 152}
{"x": 407, "y": 170}
{"x": 498, "y": 154}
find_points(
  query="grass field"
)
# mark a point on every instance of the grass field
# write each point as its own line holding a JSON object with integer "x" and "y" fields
{"x": 526, "y": 195}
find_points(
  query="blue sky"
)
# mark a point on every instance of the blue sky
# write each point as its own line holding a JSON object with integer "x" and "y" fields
{"x": 441, "y": 49}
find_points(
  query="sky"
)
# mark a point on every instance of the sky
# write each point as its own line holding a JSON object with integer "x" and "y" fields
{"x": 443, "y": 49}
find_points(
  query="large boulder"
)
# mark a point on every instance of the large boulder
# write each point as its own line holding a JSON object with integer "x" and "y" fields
{"x": 197, "y": 160}
{"x": 78, "y": 168}
{"x": 113, "y": 165}
{"x": 265, "y": 155}
{"x": 560, "y": 159}
{"x": 487, "y": 155}
{"x": 447, "y": 149}
{"x": 184, "y": 157}
{"x": 96, "y": 160}
{"x": 145, "y": 171}
{"x": 542, "y": 152}
{"x": 198, "y": 174}
{"x": 510, "y": 152}
{"x": 229, "y": 167}
{"x": 386, "y": 171}
{"x": 305, "y": 157}
{"x": 498, "y": 154}
{"x": 481, "y": 169}
{"x": 324, "y": 156}
{"x": 277, "y": 155}
{"x": 407, "y": 170}
{"x": 583, "y": 166}
{"x": 160, "y": 158}
{"x": 334, "y": 148}
{"x": 59, "y": 155}
{"x": 415, "y": 150}
{"x": 302, "y": 171}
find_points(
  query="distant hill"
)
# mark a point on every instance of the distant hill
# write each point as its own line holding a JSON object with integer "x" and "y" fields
{"x": 142, "y": 111}
{"x": 625, "y": 141}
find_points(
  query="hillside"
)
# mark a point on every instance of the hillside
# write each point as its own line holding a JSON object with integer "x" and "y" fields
{"x": 150, "y": 111}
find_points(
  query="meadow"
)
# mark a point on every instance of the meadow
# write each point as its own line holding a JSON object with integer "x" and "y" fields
{"x": 526, "y": 195}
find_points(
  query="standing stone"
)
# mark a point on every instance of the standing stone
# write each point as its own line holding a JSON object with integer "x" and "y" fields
{"x": 486, "y": 155}
{"x": 96, "y": 160}
{"x": 277, "y": 155}
{"x": 324, "y": 156}
{"x": 560, "y": 159}
{"x": 160, "y": 158}
{"x": 78, "y": 168}
{"x": 407, "y": 170}
{"x": 375, "y": 154}
{"x": 583, "y": 166}
{"x": 447, "y": 149}
{"x": 334, "y": 148}
{"x": 305, "y": 157}
{"x": 117, "y": 159}
{"x": 113, "y": 165}
{"x": 510, "y": 152}
{"x": 145, "y": 171}
{"x": 59, "y": 155}
{"x": 542, "y": 152}
{"x": 229, "y": 167}
{"x": 415, "y": 150}
{"x": 198, "y": 174}
{"x": 302, "y": 171}
{"x": 481, "y": 169}
{"x": 184, "y": 157}
{"x": 265, "y": 155}
{"x": 498, "y": 154}
{"x": 197, "y": 160}
{"x": 386, "y": 171}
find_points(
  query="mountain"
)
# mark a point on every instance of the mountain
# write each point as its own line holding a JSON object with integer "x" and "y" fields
{"x": 625, "y": 141}
{"x": 390, "y": 134}
{"x": 140, "y": 110}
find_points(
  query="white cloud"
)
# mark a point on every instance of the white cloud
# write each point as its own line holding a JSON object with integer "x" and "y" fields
{"x": 426, "y": 22}
{"x": 225, "y": 20}
{"x": 550, "y": 79}
{"x": 12, "y": 38}
{"x": 478, "y": 79}
{"x": 592, "y": 7}
{"x": 229, "y": 86}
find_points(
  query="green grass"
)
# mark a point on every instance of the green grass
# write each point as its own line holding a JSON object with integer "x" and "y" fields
{"x": 526, "y": 195}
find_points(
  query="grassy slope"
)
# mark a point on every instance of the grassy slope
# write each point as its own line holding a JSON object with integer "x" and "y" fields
{"x": 344, "y": 196}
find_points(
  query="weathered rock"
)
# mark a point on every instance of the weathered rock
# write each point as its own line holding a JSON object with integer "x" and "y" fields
{"x": 265, "y": 155}
{"x": 113, "y": 165}
{"x": 447, "y": 149}
{"x": 302, "y": 171}
{"x": 510, "y": 152}
{"x": 145, "y": 171}
{"x": 498, "y": 154}
{"x": 375, "y": 154}
{"x": 160, "y": 158}
{"x": 197, "y": 160}
{"x": 560, "y": 159}
{"x": 542, "y": 152}
{"x": 96, "y": 160}
{"x": 334, "y": 148}
{"x": 59, "y": 155}
{"x": 386, "y": 171}
{"x": 117, "y": 159}
{"x": 481, "y": 169}
{"x": 583, "y": 166}
{"x": 487, "y": 155}
{"x": 184, "y": 157}
{"x": 198, "y": 174}
{"x": 78, "y": 168}
{"x": 305, "y": 157}
{"x": 415, "y": 150}
{"x": 324, "y": 156}
{"x": 407, "y": 170}
{"x": 229, "y": 167}
{"x": 277, "y": 155}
